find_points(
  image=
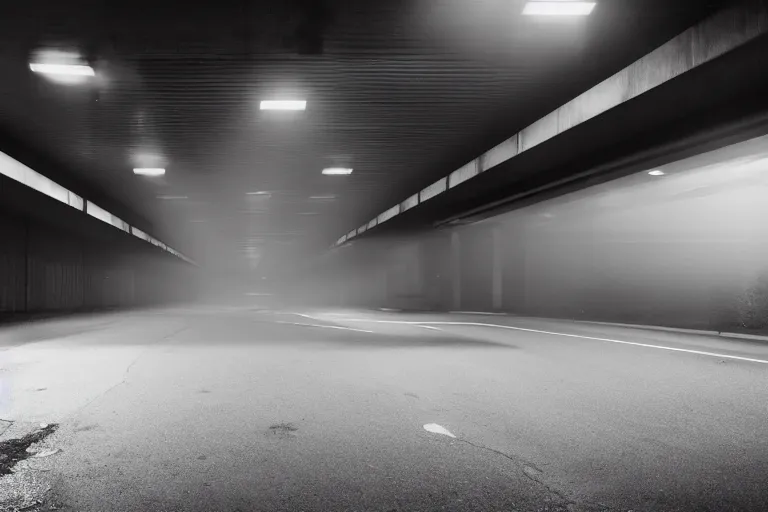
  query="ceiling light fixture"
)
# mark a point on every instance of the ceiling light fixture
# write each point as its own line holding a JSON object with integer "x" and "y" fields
{"x": 258, "y": 193}
{"x": 337, "y": 171}
{"x": 657, "y": 172}
{"x": 558, "y": 8}
{"x": 149, "y": 171}
{"x": 323, "y": 197}
{"x": 62, "y": 69}
{"x": 283, "y": 105}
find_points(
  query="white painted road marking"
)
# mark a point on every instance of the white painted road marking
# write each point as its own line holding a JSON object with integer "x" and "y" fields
{"x": 609, "y": 340}
{"x": 326, "y": 326}
{"x": 437, "y": 429}
{"x": 305, "y": 316}
{"x": 488, "y": 313}
{"x": 428, "y": 327}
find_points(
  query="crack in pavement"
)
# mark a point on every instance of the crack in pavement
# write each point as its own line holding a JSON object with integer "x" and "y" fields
{"x": 526, "y": 468}
{"x": 124, "y": 380}
{"x": 42, "y": 498}
{"x": 9, "y": 424}
{"x": 532, "y": 472}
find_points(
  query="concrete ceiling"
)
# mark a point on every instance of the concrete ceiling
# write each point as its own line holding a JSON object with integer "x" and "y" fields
{"x": 402, "y": 91}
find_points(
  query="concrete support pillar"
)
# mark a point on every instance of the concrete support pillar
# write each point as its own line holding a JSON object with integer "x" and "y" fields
{"x": 497, "y": 279}
{"x": 456, "y": 270}
{"x": 526, "y": 266}
{"x": 383, "y": 295}
{"x": 343, "y": 288}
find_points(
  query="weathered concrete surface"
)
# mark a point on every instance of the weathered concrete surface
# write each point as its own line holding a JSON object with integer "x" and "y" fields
{"x": 250, "y": 411}
{"x": 47, "y": 379}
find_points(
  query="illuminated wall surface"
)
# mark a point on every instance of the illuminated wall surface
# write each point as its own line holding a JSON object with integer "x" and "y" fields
{"x": 686, "y": 248}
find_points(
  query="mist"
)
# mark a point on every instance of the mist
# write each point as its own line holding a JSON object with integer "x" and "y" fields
{"x": 683, "y": 245}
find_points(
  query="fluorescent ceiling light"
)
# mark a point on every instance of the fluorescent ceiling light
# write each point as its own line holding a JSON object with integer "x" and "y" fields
{"x": 559, "y": 8}
{"x": 62, "y": 69}
{"x": 337, "y": 171}
{"x": 149, "y": 171}
{"x": 259, "y": 193}
{"x": 657, "y": 172}
{"x": 323, "y": 197}
{"x": 283, "y": 105}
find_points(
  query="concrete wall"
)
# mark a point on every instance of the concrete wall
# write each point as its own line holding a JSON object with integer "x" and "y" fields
{"x": 678, "y": 263}
{"x": 13, "y": 265}
{"x": 682, "y": 249}
{"x": 43, "y": 269}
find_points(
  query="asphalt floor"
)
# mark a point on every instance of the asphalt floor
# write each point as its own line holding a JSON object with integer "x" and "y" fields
{"x": 235, "y": 409}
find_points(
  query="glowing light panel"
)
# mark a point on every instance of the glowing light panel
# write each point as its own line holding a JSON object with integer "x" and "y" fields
{"x": 283, "y": 105}
{"x": 337, "y": 171}
{"x": 559, "y": 8}
{"x": 149, "y": 171}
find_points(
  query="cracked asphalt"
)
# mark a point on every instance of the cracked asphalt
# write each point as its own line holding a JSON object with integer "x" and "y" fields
{"x": 238, "y": 410}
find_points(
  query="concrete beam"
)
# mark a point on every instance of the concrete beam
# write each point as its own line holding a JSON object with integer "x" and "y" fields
{"x": 718, "y": 34}
{"x": 721, "y": 33}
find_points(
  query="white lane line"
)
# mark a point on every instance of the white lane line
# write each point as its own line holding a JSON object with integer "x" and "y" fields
{"x": 305, "y": 316}
{"x": 609, "y": 340}
{"x": 326, "y": 326}
{"x": 488, "y": 313}
{"x": 429, "y": 327}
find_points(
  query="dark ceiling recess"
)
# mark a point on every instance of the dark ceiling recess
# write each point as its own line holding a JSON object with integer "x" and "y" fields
{"x": 308, "y": 38}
